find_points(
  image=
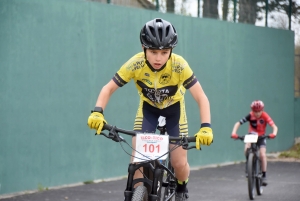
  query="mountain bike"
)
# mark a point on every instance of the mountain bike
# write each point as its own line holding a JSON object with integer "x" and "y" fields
{"x": 253, "y": 164}
{"x": 159, "y": 181}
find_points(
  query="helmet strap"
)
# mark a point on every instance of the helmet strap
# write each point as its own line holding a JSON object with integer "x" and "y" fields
{"x": 145, "y": 53}
{"x": 170, "y": 53}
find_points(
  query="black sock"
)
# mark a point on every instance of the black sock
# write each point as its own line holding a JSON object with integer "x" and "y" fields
{"x": 181, "y": 186}
{"x": 264, "y": 174}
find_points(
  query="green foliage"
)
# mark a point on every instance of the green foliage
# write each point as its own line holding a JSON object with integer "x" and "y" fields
{"x": 88, "y": 182}
{"x": 42, "y": 188}
{"x": 294, "y": 152}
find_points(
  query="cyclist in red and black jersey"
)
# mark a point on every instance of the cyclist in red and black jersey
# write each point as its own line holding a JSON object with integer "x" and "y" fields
{"x": 258, "y": 120}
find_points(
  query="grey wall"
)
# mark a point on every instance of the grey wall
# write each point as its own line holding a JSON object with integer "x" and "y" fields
{"x": 56, "y": 55}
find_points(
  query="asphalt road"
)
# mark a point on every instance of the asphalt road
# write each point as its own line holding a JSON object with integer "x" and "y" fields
{"x": 225, "y": 183}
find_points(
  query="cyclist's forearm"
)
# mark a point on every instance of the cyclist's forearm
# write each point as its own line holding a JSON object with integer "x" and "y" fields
{"x": 204, "y": 107}
{"x": 275, "y": 129}
{"x": 105, "y": 94}
{"x": 202, "y": 101}
{"x": 103, "y": 99}
{"x": 236, "y": 127}
{"x": 204, "y": 110}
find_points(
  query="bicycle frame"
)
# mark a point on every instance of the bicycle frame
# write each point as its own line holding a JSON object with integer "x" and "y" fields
{"x": 155, "y": 167}
{"x": 157, "y": 171}
{"x": 253, "y": 149}
{"x": 253, "y": 165}
{"x": 256, "y": 154}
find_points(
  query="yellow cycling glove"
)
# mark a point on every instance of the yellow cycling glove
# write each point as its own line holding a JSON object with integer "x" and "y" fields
{"x": 96, "y": 121}
{"x": 204, "y": 136}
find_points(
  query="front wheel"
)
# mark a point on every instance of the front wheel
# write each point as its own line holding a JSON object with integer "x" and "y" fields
{"x": 140, "y": 194}
{"x": 251, "y": 175}
{"x": 258, "y": 182}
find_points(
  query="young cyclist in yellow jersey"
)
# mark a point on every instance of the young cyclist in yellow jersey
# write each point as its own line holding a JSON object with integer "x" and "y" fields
{"x": 258, "y": 120}
{"x": 161, "y": 78}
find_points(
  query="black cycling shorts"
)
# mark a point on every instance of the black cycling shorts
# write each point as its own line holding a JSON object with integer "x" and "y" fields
{"x": 261, "y": 142}
{"x": 147, "y": 118}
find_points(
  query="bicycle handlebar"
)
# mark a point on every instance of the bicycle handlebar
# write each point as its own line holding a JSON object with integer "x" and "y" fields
{"x": 113, "y": 135}
{"x": 259, "y": 137}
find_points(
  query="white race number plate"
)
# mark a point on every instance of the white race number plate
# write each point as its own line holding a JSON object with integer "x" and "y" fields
{"x": 250, "y": 138}
{"x": 151, "y": 146}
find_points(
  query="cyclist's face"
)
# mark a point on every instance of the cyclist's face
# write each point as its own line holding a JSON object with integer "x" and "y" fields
{"x": 157, "y": 58}
{"x": 257, "y": 114}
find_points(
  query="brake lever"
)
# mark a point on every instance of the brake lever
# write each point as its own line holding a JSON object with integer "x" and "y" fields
{"x": 113, "y": 135}
{"x": 192, "y": 147}
{"x": 118, "y": 138}
{"x": 185, "y": 144}
{"x": 241, "y": 138}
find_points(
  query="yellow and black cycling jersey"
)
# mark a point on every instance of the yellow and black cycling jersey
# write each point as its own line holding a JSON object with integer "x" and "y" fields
{"x": 160, "y": 88}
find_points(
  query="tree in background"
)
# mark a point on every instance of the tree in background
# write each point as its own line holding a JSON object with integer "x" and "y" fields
{"x": 210, "y": 9}
{"x": 247, "y": 11}
{"x": 170, "y": 6}
{"x": 282, "y": 6}
{"x": 225, "y": 10}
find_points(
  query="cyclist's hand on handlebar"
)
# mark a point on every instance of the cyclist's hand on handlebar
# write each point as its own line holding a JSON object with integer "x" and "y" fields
{"x": 272, "y": 136}
{"x": 234, "y": 136}
{"x": 204, "y": 136}
{"x": 96, "y": 121}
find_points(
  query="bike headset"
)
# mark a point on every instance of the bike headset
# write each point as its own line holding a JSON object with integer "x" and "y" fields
{"x": 158, "y": 34}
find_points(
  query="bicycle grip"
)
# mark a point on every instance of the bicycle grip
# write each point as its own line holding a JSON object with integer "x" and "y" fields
{"x": 107, "y": 127}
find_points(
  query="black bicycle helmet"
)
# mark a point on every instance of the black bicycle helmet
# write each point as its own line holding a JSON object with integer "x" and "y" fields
{"x": 158, "y": 34}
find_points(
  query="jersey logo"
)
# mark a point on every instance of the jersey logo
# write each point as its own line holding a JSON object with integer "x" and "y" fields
{"x": 148, "y": 81}
{"x": 147, "y": 74}
{"x": 164, "y": 78}
{"x": 261, "y": 121}
{"x": 158, "y": 95}
{"x": 135, "y": 65}
{"x": 177, "y": 68}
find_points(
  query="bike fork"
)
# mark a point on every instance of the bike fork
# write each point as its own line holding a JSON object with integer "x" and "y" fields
{"x": 128, "y": 191}
{"x": 157, "y": 174}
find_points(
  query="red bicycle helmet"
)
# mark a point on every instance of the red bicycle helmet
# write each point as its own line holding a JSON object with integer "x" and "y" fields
{"x": 257, "y": 106}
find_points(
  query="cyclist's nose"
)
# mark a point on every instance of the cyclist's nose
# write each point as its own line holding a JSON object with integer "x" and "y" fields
{"x": 158, "y": 57}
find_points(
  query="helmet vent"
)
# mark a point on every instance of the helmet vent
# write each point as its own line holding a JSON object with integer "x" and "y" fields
{"x": 167, "y": 30}
{"x": 152, "y": 31}
{"x": 158, "y": 34}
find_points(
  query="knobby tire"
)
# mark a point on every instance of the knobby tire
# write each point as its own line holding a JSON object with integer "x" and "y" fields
{"x": 251, "y": 175}
{"x": 140, "y": 194}
{"x": 258, "y": 182}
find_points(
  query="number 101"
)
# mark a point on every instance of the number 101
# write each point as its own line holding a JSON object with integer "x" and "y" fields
{"x": 151, "y": 148}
